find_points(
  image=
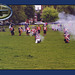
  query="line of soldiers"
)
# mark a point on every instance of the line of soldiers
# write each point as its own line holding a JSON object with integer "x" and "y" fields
{"x": 34, "y": 31}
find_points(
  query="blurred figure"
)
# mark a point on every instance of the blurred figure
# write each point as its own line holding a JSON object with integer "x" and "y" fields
{"x": 52, "y": 27}
{"x": 12, "y": 30}
{"x": 3, "y": 29}
{"x": 37, "y": 38}
{"x": 26, "y": 25}
{"x": 33, "y": 31}
{"x": 0, "y": 29}
{"x": 44, "y": 30}
{"x": 20, "y": 30}
{"x": 39, "y": 29}
{"x": 10, "y": 27}
{"x": 27, "y": 30}
{"x": 65, "y": 31}
{"x": 67, "y": 38}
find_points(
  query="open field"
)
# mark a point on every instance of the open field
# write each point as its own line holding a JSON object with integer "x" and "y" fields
{"x": 21, "y": 52}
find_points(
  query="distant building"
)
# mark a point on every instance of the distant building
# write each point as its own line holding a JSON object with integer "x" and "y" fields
{"x": 37, "y": 9}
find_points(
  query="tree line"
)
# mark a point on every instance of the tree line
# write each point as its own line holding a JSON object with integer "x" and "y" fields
{"x": 49, "y": 12}
{"x": 22, "y": 12}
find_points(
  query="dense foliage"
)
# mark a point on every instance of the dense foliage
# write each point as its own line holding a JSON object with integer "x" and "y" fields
{"x": 70, "y": 9}
{"x": 49, "y": 14}
{"x": 22, "y": 12}
{"x": 29, "y": 11}
{"x": 38, "y": 16}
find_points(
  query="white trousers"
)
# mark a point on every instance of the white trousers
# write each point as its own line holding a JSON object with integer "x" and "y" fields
{"x": 37, "y": 40}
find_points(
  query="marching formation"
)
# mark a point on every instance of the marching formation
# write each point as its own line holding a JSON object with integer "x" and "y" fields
{"x": 33, "y": 31}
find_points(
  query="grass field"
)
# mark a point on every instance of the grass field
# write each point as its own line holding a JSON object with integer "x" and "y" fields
{"x": 21, "y": 52}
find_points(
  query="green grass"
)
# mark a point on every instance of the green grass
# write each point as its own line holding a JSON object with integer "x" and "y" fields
{"x": 21, "y": 52}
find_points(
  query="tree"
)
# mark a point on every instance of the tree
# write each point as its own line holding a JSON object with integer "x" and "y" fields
{"x": 22, "y": 12}
{"x": 70, "y": 9}
{"x": 18, "y": 13}
{"x": 49, "y": 14}
{"x": 29, "y": 11}
{"x": 38, "y": 16}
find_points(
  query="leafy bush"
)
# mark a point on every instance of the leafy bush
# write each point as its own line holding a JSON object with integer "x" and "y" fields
{"x": 49, "y": 14}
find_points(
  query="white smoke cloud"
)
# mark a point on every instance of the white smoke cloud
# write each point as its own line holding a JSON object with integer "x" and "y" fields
{"x": 67, "y": 21}
{"x": 42, "y": 38}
